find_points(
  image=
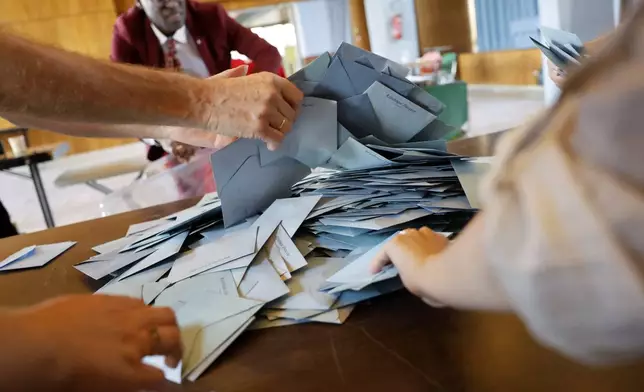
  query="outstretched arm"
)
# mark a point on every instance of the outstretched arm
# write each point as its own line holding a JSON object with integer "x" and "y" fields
{"x": 49, "y": 83}
{"x": 42, "y": 82}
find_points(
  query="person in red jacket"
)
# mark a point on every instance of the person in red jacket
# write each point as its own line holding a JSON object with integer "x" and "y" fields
{"x": 194, "y": 38}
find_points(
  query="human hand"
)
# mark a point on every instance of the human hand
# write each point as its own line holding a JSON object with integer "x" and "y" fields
{"x": 259, "y": 106}
{"x": 557, "y": 75}
{"x": 409, "y": 250}
{"x": 183, "y": 152}
{"x": 97, "y": 342}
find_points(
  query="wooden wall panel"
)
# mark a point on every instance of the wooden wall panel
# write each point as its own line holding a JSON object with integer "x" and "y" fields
{"x": 359, "y": 29}
{"x": 83, "y": 26}
{"x": 120, "y": 6}
{"x": 515, "y": 67}
{"x": 15, "y": 11}
{"x": 123, "y": 5}
{"x": 444, "y": 23}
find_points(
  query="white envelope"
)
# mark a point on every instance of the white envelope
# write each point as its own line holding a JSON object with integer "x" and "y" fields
{"x": 304, "y": 286}
{"x": 214, "y": 254}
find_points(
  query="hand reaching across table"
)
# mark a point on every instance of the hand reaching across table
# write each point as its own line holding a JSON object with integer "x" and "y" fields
{"x": 409, "y": 251}
{"x": 106, "y": 99}
{"x": 87, "y": 343}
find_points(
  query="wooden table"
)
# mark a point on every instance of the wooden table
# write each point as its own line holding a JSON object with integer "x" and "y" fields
{"x": 393, "y": 344}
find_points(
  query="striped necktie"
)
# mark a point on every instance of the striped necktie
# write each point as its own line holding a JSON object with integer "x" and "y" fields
{"x": 171, "y": 59}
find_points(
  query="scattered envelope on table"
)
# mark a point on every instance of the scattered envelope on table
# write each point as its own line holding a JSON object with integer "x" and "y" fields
{"x": 207, "y": 321}
{"x": 219, "y": 283}
{"x": 150, "y": 291}
{"x": 333, "y": 316}
{"x": 290, "y": 213}
{"x": 100, "y": 269}
{"x": 304, "y": 286}
{"x": 115, "y": 245}
{"x": 144, "y": 226}
{"x": 283, "y": 253}
{"x": 379, "y": 223}
{"x": 205, "y": 363}
{"x": 133, "y": 287}
{"x": 21, "y": 254}
{"x": 163, "y": 252}
{"x": 456, "y": 203}
{"x": 214, "y": 254}
{"x": 262, "y": 283}
{"x": 34, "y": 256}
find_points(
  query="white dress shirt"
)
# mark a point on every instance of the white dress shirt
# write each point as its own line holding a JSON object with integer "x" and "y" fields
{"x": 564, "y": 212}
{"x": 187, "y": 52}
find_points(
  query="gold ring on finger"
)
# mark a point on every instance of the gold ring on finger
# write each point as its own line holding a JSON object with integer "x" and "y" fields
{"x": 156, "y": 338}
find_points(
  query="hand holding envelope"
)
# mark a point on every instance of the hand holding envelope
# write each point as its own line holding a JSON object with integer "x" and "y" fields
{"x": 259, "y": 106}
{"x": 561, "y": 48}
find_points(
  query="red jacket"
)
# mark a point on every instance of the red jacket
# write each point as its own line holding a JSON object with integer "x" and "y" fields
{"x": 215, "y": 33}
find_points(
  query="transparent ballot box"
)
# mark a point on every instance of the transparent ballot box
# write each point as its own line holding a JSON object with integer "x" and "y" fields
{"x": 163, "y": 184}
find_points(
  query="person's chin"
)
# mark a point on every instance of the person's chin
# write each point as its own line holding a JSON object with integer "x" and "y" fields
{"x": 175, "y": 22}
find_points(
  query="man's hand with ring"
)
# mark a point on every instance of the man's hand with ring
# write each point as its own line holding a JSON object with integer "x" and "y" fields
{"x": 259, "y": 106}
{"x": 96, "y": 343}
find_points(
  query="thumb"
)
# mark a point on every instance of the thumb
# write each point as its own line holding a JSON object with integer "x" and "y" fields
{"x": 380, "y": 261}
{"x": 242, "y": 70}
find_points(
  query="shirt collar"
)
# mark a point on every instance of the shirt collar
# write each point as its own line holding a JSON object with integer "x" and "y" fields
{"x": 181, "y": 35}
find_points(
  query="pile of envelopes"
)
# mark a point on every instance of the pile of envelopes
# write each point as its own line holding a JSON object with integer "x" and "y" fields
{"x": 282, "y": 245}
{"x": 562, "y": 48}
{"x": 359, "y": 111}
{"x": 221, "y": 281}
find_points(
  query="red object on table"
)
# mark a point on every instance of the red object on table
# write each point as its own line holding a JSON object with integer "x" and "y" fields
{"x": 234, "y": 63}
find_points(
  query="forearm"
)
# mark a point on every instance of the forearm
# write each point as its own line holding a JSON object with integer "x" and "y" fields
{"x": 50, "y": 83}
{"x": 461, "y": 277}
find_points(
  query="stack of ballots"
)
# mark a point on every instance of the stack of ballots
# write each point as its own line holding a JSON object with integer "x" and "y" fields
{"x": 359, "y": 111}
{"x": 280, "y": 245}
{"x": 561, "y": 47}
